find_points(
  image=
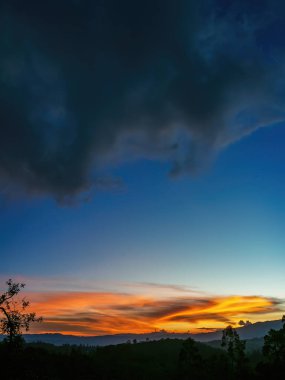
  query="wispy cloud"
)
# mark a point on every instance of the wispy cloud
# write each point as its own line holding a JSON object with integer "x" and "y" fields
{"x": 75, "y": 284}
{"x": 83, "y": 308}
{"x": 97, "y": 313}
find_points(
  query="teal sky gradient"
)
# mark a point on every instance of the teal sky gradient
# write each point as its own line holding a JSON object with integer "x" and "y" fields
{"x": 220, "y": 231}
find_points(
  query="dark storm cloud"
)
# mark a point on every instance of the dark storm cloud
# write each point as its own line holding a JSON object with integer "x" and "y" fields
{"x": 86, "y": 84}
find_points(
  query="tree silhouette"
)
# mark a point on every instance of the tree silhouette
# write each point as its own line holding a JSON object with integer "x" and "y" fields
{"x": 274, "y": 345}
{"x": 235, "y": 349}
{"x": 14, "y": 319}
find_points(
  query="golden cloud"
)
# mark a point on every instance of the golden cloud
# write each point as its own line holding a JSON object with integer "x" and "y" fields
{"x": 99, "y": 313}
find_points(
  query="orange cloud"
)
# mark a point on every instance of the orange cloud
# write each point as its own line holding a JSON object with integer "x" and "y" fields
{"x": 99, "y": 313}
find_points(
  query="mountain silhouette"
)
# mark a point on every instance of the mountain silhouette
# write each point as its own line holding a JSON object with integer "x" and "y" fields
{"x": 251, "y": 331}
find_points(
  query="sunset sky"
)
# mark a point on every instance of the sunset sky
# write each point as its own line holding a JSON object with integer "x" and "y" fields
{"x": 142, "y": 156}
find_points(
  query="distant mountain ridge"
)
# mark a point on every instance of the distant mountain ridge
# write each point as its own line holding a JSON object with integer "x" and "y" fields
{"x": 251, "y": 331}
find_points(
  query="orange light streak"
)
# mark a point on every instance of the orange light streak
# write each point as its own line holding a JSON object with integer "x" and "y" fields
{"x": 99, "y": 313}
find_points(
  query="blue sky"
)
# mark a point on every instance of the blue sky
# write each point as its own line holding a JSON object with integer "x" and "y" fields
{"x": 219, "y": 231}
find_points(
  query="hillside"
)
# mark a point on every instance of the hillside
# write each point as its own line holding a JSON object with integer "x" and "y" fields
{"x": 142, "y": 361}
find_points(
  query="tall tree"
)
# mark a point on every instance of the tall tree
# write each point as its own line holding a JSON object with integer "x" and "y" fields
{"x": 235, "y": 348}
{"x": 274, "y": 345}
{"x": 13, "y": 310}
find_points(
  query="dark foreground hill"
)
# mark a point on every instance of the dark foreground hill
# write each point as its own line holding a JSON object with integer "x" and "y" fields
{"x": 136, "y": 361}
{"x": 165, "y": 359}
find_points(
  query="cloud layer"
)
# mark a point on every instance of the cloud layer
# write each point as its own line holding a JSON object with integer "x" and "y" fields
{"x": 87, "y": 84}
{"x": 99, "y": 313}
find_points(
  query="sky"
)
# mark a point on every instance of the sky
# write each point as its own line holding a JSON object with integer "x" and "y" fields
{"x": 142, "y": 162}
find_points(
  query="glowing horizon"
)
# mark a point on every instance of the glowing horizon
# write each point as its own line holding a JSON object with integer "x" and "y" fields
{"x": 169, "y": 308}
